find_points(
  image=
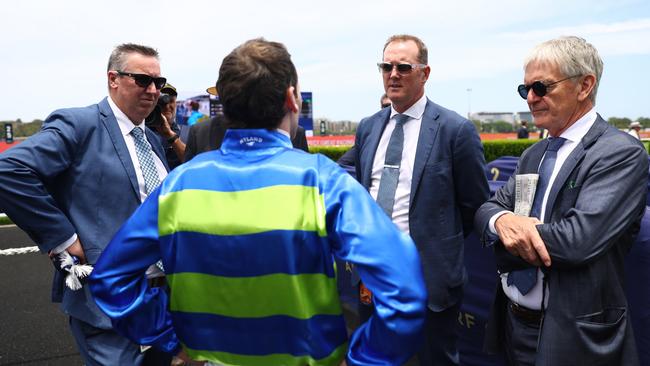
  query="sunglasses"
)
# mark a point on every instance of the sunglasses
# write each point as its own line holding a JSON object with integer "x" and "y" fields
{"x": 402, "y": 68}
{"x": 144, "y": 80}
{"x": 539, "y": 88}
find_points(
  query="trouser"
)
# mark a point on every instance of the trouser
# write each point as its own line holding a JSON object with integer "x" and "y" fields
{"x": 440, "y": 338}
{"x": 104, "y": 347}
{"x": 521, "y": 335}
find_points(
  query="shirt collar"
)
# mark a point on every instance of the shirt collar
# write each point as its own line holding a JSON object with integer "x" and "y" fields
{"x": 579, "y": 129}
{"x": 415, "y": 111}
{"x": 284, "y": 132}
{"x": 125, "y": 124}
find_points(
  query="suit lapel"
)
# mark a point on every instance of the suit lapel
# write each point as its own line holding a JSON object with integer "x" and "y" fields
{"x": 377, "y": 127}
{"x": 156, "y": 146}
{"x": 426, "y": 138}
{"x": 530, "y": 164}
{"x": 572, "y": 160}
{"x": 110, "y": 123}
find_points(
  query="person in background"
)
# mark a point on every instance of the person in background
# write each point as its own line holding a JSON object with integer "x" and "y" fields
{"x": 635, "y": 128}
{"x": 169, "y": 132}
{"x": 247, "y": 235}
{"x": 561, "y": 298}
{"x": 522, "y": 132}
{"x": 72, "y": 185}
{"x": 195, "y": 115}
{"x": 425, "y": 167}
{"x": 208, "y": 136}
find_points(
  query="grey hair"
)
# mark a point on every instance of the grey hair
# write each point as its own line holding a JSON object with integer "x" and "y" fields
{"x": 117, "y": 61}
{"x": 573, "y": 55}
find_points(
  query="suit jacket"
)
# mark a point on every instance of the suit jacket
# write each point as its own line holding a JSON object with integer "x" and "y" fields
{"x": 207, "y": 136}
{"x": 74, "y": 176}
{"x": 448, "y": 185}
{"x": 593, "y": 213}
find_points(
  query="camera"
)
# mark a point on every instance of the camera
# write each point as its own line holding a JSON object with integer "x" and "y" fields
{"x": 155, "y": 119}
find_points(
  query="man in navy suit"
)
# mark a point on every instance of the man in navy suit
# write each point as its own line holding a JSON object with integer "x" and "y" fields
{"x": 561, "y": 298}
{"x": 433, "y": 188}
{"x": 73, "y": 184}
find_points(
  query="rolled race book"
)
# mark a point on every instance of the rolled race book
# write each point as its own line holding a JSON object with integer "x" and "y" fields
{"x": 72, "y": 268}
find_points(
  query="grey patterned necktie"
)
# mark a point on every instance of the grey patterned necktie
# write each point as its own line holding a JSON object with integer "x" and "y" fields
{"x": 149, "y": 172}
{"x": 525, "y": 279}
{"x": 392, "y": 163}
{"x": 145, "y": 157}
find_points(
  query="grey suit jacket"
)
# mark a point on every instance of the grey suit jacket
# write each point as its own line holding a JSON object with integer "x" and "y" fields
{"x": 593, "y": 215}
{"x": 448, "y": 185}
{"x": 74, "y": 176}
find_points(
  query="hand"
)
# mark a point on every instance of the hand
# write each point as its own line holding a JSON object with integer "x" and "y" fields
{"x": 185, "y": 360}
{"x": 520, "y": 237}
{"x": 343, "y": 363}
{"x": 77, "y": 250}
{"x": 165, "y": 129}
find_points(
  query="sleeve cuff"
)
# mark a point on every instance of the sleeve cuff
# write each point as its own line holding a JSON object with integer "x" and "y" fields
{"x": 494, "y": 218}
{"x": 63, "y": 246}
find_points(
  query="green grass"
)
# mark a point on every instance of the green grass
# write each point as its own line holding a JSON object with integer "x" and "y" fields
{"x": 5, "y": 220}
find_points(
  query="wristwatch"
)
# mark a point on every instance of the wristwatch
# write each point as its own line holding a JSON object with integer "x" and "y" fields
{"x": 172, "y": 139}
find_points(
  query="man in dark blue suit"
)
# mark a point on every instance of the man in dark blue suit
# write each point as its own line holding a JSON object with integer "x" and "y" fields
{"x": 424, "y": 165}
{"x": 73, "y": 184}
{"x": 561, "y": 298}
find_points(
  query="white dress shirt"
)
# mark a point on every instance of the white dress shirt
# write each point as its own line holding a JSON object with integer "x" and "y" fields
{"x": 573, "y": 136}
{"x": 411, "y": 136}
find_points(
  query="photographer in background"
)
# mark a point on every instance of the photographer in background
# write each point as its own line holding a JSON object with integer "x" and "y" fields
{"x": 163, "y": 121}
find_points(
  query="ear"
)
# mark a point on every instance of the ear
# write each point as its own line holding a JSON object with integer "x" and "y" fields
{"x": 112, "y": 79}
{"x": 587, "y": 84}
{"x": 290, "y": 100}
{"x": 425, "y": 73}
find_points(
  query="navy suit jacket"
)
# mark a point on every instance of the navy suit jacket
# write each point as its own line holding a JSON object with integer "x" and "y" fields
{"x": 593, "y": 214}
{"x": 74, "y": 176}
{"x": 448, "y": 186}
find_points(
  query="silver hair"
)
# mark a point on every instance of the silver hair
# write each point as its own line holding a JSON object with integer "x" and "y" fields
{"x": 118, "y": 58}
{"x": 573, "y": 55}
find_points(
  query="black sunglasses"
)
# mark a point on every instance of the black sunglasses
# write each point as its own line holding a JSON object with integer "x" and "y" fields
{"x": 144, "y": 80}
{"x": 402, "y": 68}
{"x": 539, "y": 88}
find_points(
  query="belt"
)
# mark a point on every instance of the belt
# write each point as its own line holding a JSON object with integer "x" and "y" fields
{"x": 525, "y": 314}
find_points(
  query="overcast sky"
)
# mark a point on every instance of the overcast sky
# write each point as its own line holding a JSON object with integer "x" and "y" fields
{"x": 54, "y": 53}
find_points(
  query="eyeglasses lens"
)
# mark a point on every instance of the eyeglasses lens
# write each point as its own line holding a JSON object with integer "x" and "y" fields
{"x": 538, "y": 88}
{"x": 145, "y": 80}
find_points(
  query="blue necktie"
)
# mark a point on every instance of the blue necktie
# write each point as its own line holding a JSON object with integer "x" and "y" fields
{"x": 392, "y": 163}
{"x": 525, "y": 279}
{"x": 145, "y": 157}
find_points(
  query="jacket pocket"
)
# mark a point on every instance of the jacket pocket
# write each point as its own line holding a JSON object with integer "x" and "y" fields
{"x": 601, "y": 336}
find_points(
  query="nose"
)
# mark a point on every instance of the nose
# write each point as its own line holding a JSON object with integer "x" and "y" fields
{"x": 151, "y": 88}
{"x": 532, "y": 97}
{"x": 393, "y": 72}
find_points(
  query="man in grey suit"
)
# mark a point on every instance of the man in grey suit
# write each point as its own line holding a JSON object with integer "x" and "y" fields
{"x": 73, "y": 184}
{"x": 424, "y": 165}
{"x": 561, "y": 299}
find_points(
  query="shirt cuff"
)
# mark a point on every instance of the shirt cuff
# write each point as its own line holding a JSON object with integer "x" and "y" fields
{"x": 63, "y": 246}
{"x": 494, "y": 218}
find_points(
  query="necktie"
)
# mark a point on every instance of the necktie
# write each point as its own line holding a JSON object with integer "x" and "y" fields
{"x": 392, "y": 163}
{"x": 526, "y": 279}
{"x": 149, "y": 172}
{"x": 145, "y": 157}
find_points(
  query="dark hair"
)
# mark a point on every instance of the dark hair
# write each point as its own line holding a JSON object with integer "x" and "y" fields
{"x": 117, "y": 60}
{"x": 194, "y": 105}
{"x": 253, "y": 80}
{"x": 423, "y": 53}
